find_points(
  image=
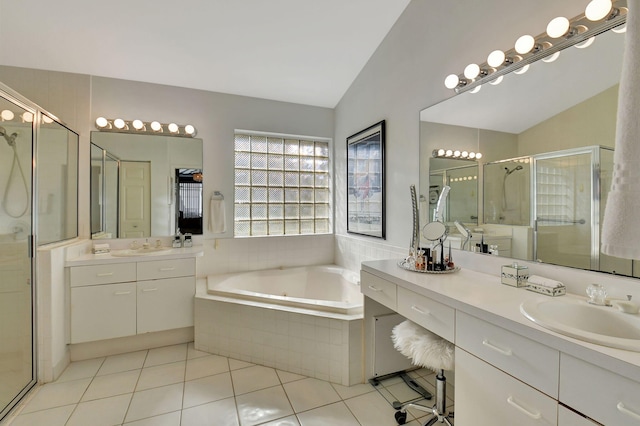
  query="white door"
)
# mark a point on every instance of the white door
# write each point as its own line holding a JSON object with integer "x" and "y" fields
{"x": 135, "y": 199}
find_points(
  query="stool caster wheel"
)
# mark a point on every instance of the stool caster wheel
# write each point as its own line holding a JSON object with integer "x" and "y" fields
{"x": 401, "y": 417}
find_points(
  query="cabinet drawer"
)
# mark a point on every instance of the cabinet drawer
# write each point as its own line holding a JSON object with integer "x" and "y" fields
{"x": 158, "y": 269}
{"x": 102, "y": 274}
{"x": 604, "y": 396}
{"x": 103, "y": 312}
{"x": 486, "y": 396}
{"x": 382, "y": 291}
{"x": 525, "y": 359}
{"x": 567, "y": 417}
{"x": 432, "y": 315}
{"x": 165, "y": 304}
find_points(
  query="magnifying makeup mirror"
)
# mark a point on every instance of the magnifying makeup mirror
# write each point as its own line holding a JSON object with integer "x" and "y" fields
{"x": 433, "y": 231}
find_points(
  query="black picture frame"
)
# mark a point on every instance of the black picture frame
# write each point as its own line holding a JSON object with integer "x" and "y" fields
{"x": 365, "y": 182}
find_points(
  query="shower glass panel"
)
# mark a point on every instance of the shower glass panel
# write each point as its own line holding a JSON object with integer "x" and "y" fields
{"x": 507, "y": 188}
{"x": 17, "y": 367}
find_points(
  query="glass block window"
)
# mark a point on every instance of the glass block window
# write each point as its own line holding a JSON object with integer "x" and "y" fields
{"x": 282, "y": 186}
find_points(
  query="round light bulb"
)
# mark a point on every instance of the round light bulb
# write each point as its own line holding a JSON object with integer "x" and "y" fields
{"x": 496, "y": 58}
{"x": 620, "y": 29}
{"x": 155, "y": 126}
{"x": 472, "y": 71}
{"x": 137, "y": 124}
{"x": 478, "y": 156}
{"x": 522, "y": 70}
{"x": 588, "y": 42}
{"x": 189, "y": 129}
{"x": 7, "y": 115}
{"x": 497, "y": 81}
{"x": 441, "y": 152}
{"x": 47, "y": 119}
{"x": 27, "y": 117}
{"x": 472, "y": 154}
{"x": 449, "y": 153}
{"x": 456, "y": 153}
{"x": 173, "y": 128}
{"x": 464, "y": 154}
{"x": 119, "y": 123}
{"x": 476, "y": 89}
{"x": 558, "y": 27}
{"x": 451, "y": 82}
{"x": 101, "y": 122}
{"x": 551, "y": 58}
{"x": 525, "y": 44}
{"x": 598, "y": 9}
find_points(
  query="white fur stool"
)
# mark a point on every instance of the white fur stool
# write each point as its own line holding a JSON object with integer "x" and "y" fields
{"x": 428, "y": 350}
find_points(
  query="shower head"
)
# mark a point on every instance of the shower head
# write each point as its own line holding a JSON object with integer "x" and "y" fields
{"x": 508, "y": 172}
{"x": 11, "y": 139}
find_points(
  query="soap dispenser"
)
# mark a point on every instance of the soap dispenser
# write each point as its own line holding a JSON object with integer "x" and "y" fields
{"x": 177, "y": 240}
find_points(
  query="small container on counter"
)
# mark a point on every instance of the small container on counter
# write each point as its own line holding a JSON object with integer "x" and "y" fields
{"x": 514, "y": 275}
{"x": 188, "y": 241}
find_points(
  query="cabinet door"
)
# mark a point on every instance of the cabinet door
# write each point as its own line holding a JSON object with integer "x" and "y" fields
{"x": 567, "y": 417}
{"x": 165, "y": 304}
{"x": 485, "y": 396}
{"x": 103, "y": 312}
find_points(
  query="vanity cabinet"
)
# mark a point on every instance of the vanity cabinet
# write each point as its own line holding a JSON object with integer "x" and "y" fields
{"x": 567, "y": 417}
{"x": 428, "y": 313}
{"x": 124, "y": 299}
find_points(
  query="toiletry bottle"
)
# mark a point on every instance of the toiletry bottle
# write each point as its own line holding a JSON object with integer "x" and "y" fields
{"x": 420, "y": 260}
{"x": 177, "y": 241}
{"x": 188, "y": 241}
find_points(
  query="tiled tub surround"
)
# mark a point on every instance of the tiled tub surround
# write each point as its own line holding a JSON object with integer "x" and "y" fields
{"x": 317, "y": 344}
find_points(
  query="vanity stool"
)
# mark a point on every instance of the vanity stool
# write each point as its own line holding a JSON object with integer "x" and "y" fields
{"x": 428, "y": 350}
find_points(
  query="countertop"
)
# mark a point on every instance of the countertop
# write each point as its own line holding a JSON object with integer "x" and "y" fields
{"x": 98, "y": 259}
{"x": 485, "y": 297}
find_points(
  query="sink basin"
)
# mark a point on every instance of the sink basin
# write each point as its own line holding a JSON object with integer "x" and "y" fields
{"x": 139, "y": 252}
{"x": 576, "y": 318}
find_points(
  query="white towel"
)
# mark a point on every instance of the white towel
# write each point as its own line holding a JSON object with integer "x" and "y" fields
{"x": 544, "y": 282}
{"x": 621, "y": 224}
{"x": 217, "y": 216}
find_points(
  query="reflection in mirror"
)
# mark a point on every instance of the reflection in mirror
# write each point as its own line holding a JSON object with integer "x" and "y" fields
{"x": 546, "y": 135}
{"x": 104, "y": 193}
{"x": 151, "y": 196}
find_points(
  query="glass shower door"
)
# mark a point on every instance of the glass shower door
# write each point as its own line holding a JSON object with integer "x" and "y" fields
{"x": 17, "y": 366}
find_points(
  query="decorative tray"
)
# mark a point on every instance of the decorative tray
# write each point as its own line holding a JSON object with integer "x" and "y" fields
{"x": 409, "y": 267}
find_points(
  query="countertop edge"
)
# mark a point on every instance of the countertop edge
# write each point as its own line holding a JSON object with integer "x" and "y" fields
{"x": 106, "y": 258}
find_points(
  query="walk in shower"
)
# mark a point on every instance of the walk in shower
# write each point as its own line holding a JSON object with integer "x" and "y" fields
{"x": 35, "y": 209}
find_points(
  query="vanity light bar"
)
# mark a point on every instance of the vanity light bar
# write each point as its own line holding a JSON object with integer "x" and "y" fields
{"x": 599, "y": 16}
{"x": 144, "y": 127}
{"x": 456, "y": 154}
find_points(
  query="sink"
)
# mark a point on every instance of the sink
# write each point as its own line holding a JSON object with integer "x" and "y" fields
{"x": 576, "y": 318}
{"x": 139, "y": 252}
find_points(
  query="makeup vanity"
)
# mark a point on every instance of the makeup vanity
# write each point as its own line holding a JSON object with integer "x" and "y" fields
{"x": 508, "y": 370}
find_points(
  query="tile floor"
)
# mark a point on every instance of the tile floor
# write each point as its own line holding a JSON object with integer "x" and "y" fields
{"x": 178, "y": 385}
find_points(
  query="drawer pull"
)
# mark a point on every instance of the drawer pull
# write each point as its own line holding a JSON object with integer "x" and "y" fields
{"x": 505, "y": 352}
{"x": 146, "y": 290}
{"x": 167, "y": 269}
{"x": 513, "y": 403}
{"x": 105, "y": 274}
{"x": 121, "y": 293}
{"x": 420, "y": 311}
{"x": 374, "y": 288}
{"x": 625, "y": 410}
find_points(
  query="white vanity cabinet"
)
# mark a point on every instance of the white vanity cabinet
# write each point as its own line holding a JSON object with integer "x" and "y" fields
{"x": 124, "y": 299}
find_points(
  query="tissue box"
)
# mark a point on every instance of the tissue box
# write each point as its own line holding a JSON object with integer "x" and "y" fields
{"x": 514, "y": 275}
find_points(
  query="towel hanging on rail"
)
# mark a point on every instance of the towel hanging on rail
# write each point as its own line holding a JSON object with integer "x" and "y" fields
{"x": 217, "y": 215}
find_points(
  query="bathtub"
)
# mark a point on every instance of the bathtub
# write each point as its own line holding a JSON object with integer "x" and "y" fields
{"x": 318, "y": 288}
{"x": 304, "y": 320}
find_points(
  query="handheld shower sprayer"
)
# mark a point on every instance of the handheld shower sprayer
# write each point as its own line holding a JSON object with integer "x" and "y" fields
{"x": 515, "y": 169}
{"x": 10, "y": 138}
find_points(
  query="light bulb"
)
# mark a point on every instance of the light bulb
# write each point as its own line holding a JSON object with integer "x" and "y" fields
{"x": 189, "y": 129}
{"x": 449, "y": 153}
{"x": 173, "y": 128}
{"x": 497, "y": 81}
{"x": 472, "y": 71}
{"x": 138, "y": 124}
{"x": 558, "y": 27}
{"x": 456, "y": 153}
{"x": 472, "y": 155}
{"x": 551, "y": 58}
{"x": 525, "y": 44}
{"x": 155, "y": 126}
{"x": 464, "y": 154}
{"x": 27, "y": 117}
{"x": 588, "y": 42}
{"x": 7, "y": 115}
{"x": 496, "y": 58}
{"x": 598, "y": 9}
{"x": 47, "y": 119}
{"x": 620, "y": 29}
{"x": 476, "y": 89}
{"x": 101, "y": 122}
{"x": 522, "y": 70}
{"x": 451, "y": 82}
{"x": 478, "y": 156}
{"x": 119, "y": 123}
{"x": 441, "y": 152}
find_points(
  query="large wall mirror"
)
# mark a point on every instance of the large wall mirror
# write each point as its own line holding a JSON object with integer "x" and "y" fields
{"x": 547, "y": 138}
{"x": 145, "y": 185}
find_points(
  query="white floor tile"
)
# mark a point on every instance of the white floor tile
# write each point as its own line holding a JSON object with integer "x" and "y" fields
{"x": 263, "y": 406}
{"x": 124, "y": 362}
{"x": 371, "y": 409}
{"x": 52, "y": 417}
{"x": 112, "y": 385}
{"x": 286, "y": 377}
{"x": 287, "y": 421}
{"x": 207, "y": 389}
{"x": 101, "y": 412}
{"x": 161, "y": 375}
{"x": 57, "y": 394}
{"x": 155, "y": 401}
{"x": 347, "y": 392}
{"x": 334, "y": 414}
{"x": 81, "y": 370}
{"x": 236, "y": 364}
{"x": 253, "y": 378}
{"x": 310, "y": 393}
{"x": 214, "y": 413}
{"x": 192, "y": 352}
{"x": 206, "y": 366}
{"x": 166, "y": 355}
{"x": 169, "y": 419}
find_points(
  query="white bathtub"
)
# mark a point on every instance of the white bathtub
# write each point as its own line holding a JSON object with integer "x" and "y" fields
{"x": 319, "y": 288}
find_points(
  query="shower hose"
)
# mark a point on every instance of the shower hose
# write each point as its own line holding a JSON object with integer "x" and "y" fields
{"x": 5, "y": 198}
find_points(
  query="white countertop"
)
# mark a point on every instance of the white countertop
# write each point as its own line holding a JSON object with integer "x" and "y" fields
{"x": 97, "y": 259}
{"x": 483, "y": 296}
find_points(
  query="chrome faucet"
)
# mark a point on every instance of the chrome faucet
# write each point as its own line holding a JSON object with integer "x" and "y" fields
{"x": 597, "y": 295}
